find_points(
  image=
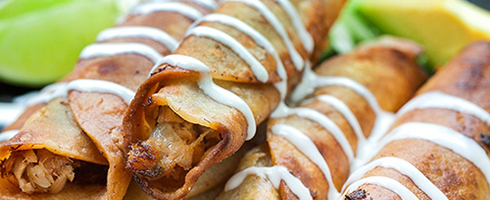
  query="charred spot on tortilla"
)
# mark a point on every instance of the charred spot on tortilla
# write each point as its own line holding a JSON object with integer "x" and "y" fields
{"x": 356, "y": 195}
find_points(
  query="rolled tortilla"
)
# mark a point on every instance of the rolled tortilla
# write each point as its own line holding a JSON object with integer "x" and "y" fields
{"x": 75, "y": 141}
{"x": 306, "y": 151}
{"x": 438, "y": 147}
{"x": 200, "y": 106}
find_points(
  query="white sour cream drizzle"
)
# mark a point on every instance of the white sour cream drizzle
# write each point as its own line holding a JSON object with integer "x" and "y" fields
{"x": 383, "y": 120}
{"x": 258, "y": 38}
{"x": 385, "y": 182}
{"x": 311, "y": 81}
{"x": 438, "y": 99}
{"x": 6, "y": 135}
{"x": 84, "y": 85}
{"x": 278, "y": 26}
{"x": 404, "y": 167}
{"x": 258, "y": 69}
{"x": 282, "y": 111}
{"x": 298, "y": 24}
{"x": 112, "y": 49}
{"x": 308, "y": 148}
{"x": 139, "y": 32}
{"x": 44, "y": 95}
{"x": 214, "y": 91}
{"x": 442, "y": 136}
{"x": 274, "y": 174}
{"x": 155, "y": 6}
{"x": 346, "y": 113}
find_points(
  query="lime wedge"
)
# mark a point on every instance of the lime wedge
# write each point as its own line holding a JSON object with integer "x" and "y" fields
{"x": 40, "y": 40}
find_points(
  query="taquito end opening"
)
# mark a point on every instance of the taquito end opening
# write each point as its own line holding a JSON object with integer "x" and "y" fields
{"x": 174, "y": 147}
{"x": 40, "y": 171}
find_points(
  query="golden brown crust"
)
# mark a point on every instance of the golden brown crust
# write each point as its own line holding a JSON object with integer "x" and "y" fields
{"x": 467, "y": 76}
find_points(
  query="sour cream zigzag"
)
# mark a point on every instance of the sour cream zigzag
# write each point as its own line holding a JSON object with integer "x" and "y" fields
{"x": 112, "y": 49}
{"x": 311, "y": 81}
{"x": 85, "y": 85}
{"x": 346, "y": 113}
{"x": 278, "y": 26}
{"x": 308, "y": 148}
{"x": 441, "y": 100}
{"x": 406, "y": 169}
{"x": 258, "y": 38}
{"x": 442, "y": 136}
{"x": 298, "y": 24}
{"x": 438, "y": 134}
{"x": 322, "y": 120}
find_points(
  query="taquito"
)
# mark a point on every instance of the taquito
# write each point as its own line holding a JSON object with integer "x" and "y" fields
{"x": 438, "y": 147}
{"x": 310, "y": 147}
{"x": 227, "y": 75}
{"x": 71, "y": 148}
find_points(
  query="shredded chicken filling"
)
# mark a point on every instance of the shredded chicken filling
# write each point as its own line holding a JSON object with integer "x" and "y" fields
{"x": 43, "y": 171}
{"x": 40, "y": 170}
{"x": 174, "y": 146}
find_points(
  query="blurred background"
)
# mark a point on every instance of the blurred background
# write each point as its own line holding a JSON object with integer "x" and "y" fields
{"x": 482, "y": 3}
